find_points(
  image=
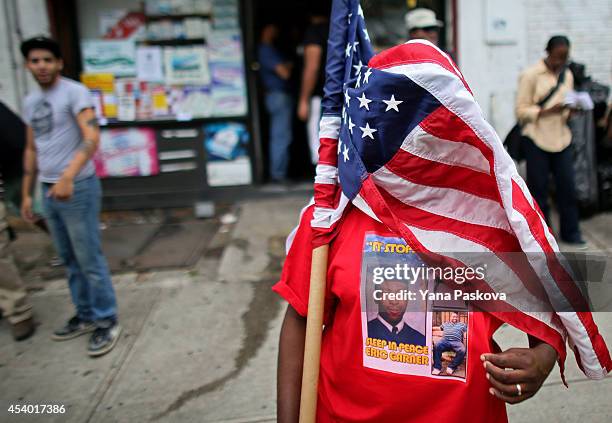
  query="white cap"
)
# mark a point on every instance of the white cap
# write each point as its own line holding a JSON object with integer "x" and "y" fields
{"x": 421, "y": 18}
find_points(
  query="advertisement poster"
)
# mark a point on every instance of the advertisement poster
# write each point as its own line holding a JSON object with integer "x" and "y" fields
{"x": 149, "y": 64}
{"x": 104, "y": 82}
{"x": 229, "y": 101}
{"x": 405, "y": 329}
{"x": 102, "y": 86}
{"x": 227, "y": 74}
{"x": 225, "y": 46}
{"x": 186, "y": 65}
{"x": 228, "y": 162}
{"x": 107, "y": 19}
{"x": 127, "y": 152}
{"x": 109, "y": 56}
{"x": 192, "y": 102}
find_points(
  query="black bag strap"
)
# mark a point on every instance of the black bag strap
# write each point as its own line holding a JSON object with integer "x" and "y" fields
{"x": 554, "y": 89}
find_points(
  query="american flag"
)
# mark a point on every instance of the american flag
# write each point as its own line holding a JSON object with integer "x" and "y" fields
{"x": 403, "y": 140}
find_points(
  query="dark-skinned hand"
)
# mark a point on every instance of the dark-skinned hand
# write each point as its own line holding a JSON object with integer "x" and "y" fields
{"x": 527, "y": 367}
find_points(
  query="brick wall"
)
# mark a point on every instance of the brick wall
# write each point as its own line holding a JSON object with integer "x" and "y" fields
{"x": 492, "y": 69}
{"x": 588, "y": 25}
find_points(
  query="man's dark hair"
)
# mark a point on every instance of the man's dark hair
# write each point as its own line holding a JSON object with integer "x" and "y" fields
{"x": 41, "y": 43}
{"x": 557, "y": 41}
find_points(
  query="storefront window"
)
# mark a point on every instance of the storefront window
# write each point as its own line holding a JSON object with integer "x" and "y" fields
{"x": 169, "y": 86}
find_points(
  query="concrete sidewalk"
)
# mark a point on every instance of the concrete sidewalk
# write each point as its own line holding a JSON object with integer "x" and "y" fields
{"x": 200, "y": 344}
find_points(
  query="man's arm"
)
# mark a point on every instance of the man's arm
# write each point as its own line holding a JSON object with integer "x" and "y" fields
{"x": 90, "y": 131}
{"x": 29, "y": 174}
{"x": 312, "y": 63}
{"x": 527, "y": 367}
{"x": 283, "y": 70}
{"x": 526, "y": 109}
{"x": 290, "y": 364}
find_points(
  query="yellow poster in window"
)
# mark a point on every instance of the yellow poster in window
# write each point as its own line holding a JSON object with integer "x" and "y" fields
{"x": 104, "y": 82}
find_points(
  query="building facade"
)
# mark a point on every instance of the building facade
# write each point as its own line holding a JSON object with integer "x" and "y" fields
{"x": 492, "y": 40}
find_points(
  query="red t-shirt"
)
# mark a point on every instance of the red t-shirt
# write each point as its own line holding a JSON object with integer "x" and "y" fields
{"x": 357, "y": 384}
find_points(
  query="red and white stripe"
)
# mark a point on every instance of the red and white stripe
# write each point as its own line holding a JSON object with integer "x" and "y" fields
{"x": 330, "y": 203}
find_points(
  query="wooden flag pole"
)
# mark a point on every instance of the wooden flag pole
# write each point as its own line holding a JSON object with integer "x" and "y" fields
{"x": 314, "y": 332}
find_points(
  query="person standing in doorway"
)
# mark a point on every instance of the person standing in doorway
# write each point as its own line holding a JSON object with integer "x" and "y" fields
{"x": 313, "y": 77}
{"x": 62, "y": 135}
{"x": 422, "y": 24}
{"x": 546, "y": 136}
{"x": 275, "y": 74}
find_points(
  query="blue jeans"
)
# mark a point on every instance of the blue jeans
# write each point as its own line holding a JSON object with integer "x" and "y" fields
{"x": 540, "y": 164}
{"x": 446, "y": 345}
{"x": 74, "y": 226}
{"x": 280, "y": 108}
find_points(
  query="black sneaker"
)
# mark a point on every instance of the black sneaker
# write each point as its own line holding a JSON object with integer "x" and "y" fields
{"x": 75, "y": 327}
{"x": 103, "y": 340}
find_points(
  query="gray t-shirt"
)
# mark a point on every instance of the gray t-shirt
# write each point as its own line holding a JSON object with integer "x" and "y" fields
{"x": 52, "y": 114}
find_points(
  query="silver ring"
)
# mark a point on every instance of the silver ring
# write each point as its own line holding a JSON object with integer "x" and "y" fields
{"x": 519, "y": 390}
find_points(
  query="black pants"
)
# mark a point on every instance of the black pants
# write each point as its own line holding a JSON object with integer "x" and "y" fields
{"x": 539, "y": 165}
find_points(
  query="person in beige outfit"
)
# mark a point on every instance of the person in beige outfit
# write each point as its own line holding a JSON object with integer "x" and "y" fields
{"x": 14, "y": 302}
{"x": 546, "y": 136}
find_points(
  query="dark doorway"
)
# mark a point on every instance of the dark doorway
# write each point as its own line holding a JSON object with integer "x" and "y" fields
{"x": 292, "y": 20}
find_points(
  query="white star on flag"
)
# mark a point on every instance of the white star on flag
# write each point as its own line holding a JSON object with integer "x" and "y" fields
{"x": 366, "y": 76}
{"x": 365, "y": 33}
{"x": 348, "y": 49}
{"x": 351, "y": 125}
{"x": 345, "y": 153}
{"x": 392, "y": 103}
{"x": 347, "y": 98}
{"x": 358, "y": 68}
{"x": 363, "y": 101}
{"x": 355, "y": 44}
{"x": 339, "y": 146}
{"x": 367, "y": 131}
{"x": 360, "y": 11}
{"x": 350, "y": 15}
{"x": 358, "y": 83}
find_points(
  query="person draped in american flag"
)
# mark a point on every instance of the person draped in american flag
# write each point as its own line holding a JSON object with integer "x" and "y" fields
{"x": 407, "y": 162}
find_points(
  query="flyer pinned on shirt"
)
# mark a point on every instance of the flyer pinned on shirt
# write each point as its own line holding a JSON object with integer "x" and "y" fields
{"x": 405, "y": 329}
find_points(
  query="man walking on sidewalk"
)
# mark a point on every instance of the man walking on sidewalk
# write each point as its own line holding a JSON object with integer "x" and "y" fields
{"x": 62, "y": 136}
